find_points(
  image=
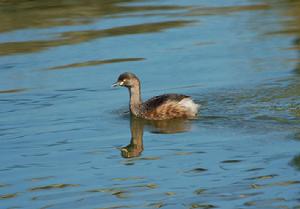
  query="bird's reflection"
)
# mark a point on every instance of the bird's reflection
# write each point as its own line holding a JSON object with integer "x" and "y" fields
{"x": 137, "y": 125}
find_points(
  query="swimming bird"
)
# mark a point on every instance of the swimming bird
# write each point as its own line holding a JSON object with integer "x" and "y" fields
{"x": 162, "y": 107}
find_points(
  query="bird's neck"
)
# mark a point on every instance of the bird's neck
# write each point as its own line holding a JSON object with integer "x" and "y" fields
{"x": 135, "y": 100}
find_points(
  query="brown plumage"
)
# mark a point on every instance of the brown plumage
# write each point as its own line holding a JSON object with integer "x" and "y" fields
{"x": 166, "y": 106}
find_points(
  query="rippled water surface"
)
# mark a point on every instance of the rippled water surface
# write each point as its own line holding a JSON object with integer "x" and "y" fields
{"x": 66, "y": 137}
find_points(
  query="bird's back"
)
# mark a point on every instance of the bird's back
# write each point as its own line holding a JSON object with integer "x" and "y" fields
{"x": 168, "y": 106}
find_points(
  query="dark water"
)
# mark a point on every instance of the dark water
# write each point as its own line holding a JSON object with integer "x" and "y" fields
{"x": 66, "y": 138}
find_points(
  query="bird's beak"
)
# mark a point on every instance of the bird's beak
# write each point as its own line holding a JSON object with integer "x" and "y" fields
{"x": 118, "y": 83}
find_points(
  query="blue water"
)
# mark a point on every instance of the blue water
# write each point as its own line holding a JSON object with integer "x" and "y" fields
{"x": 66, "y": 137}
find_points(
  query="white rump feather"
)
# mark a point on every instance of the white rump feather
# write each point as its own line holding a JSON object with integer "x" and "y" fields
{"x": 190, "y": 105}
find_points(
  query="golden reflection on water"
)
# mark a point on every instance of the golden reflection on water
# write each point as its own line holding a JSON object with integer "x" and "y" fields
{"x": 95, "y": 62}
{"x": 291, "y": 26}
{"x": 24, "y": 14}
{"x": 75, "y": 37}
{"x": 226, "y": 9}
{"x": 135, "y": 147}
{"x": 8, "y": 196}
{"x": 53, "y": 186}
{"x": 290, "y": 9}
{"x": 10, "y": 91}
{"x": 294, "y": 27}
{"x": 21, "y": 14}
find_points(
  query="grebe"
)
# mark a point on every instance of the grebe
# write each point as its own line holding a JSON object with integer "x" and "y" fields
{"x": 163, "y": 107}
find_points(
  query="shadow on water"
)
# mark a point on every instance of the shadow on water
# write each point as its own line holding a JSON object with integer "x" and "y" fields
{"x": 296, "y": 162}
{"x": 137, "y": 125}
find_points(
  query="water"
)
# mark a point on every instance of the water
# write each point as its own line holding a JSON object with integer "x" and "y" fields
{"x": 67, "y": 140}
